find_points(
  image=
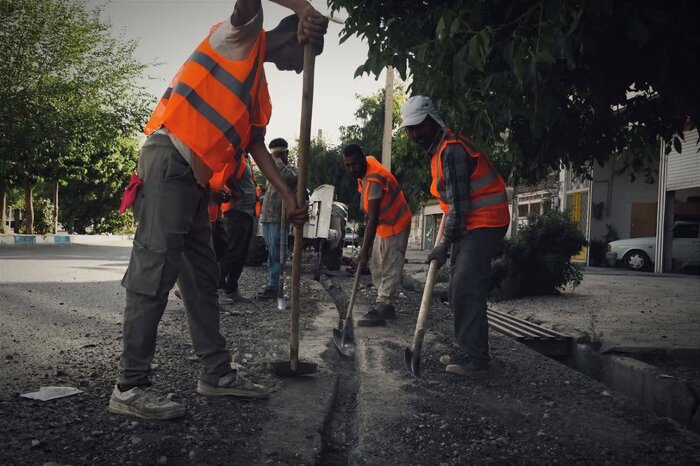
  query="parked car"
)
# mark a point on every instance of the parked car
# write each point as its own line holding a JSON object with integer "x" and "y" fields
{"x": 639, "y": 253}
{"x": 350, "y": 237}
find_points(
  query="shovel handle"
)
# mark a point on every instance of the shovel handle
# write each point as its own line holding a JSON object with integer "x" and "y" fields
{"x": 427, "y": 294}
{"x": 355, "y": 286}
{"x": 307, "y": 99}
{"x": 283, "y": 257}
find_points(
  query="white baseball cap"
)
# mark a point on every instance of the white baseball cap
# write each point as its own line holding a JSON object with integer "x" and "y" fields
{"x": 416, "y": 108}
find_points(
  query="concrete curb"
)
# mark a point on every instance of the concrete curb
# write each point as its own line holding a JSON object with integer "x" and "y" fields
{"x": 22, "y": 240}
{"x": 645, "y": 384}
{"x": 301, "y": 409}
{"x": 11, "y": 240}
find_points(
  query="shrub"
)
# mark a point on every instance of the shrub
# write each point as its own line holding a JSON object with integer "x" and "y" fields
{"x": 43, "y": 217}
{"x": 538, "y": 259}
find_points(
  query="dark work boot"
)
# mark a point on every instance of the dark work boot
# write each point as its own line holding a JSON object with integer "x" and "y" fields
{"x": 372, "y": 319}
{"x": 386, "y": 310}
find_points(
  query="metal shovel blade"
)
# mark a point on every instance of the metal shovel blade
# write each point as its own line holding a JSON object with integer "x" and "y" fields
{"x": 344, "y": 341}
{"x": 284, "y": 368}
{"x": 281, "y": 304}
{"x": 412, "y": 360}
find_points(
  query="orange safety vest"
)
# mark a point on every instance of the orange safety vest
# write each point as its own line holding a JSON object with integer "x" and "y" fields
{"x": 394, "y": 214}
{"x": 488, "y": 200}
{"x": 212, "y": 105}
{"x": 258, "y": 204}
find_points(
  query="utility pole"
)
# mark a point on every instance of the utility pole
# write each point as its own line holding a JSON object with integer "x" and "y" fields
{"x": 388, "y": 117}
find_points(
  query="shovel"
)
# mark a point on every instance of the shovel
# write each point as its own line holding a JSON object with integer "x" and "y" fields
{"x": 281, "y": 302}
{"x": 294, "y": 367}
{"x": 345, "y": 339}
{"x": 412, "y": 355}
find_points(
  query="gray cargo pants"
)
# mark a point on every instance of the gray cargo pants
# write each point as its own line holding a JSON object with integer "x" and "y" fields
{"x": 172, "y": 242}
{"x": 470, "y": 273}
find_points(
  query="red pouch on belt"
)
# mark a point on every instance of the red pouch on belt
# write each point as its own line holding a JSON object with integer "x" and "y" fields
{"x": 130, "y": 192}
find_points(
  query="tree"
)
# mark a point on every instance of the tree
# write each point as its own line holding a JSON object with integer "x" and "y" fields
{"x": 68, "y": 92}
{"x": 555, "y": 82}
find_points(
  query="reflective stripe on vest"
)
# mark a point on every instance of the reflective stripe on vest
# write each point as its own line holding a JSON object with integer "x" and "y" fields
{"x": 394, "y": 213}
{"x": 488, "y": 201}
{"x": 212, "y": 105}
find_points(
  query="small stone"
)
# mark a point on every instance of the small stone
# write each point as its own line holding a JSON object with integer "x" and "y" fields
{"x": 670, "y": 449}
{"x": 35, "y": 443}
{"x": 193, "y": 358}
{"x": 248, "y": 356}
{"x": 444, "y": 426}
{"x": 162, "y": 460}
{"x": 545, "y": 416}
{"x": 97, "y": 433}
{"x": 605, "y": 393}
{"x": 135, "y": 440}
{"x": 191, "y": 454}
{"x": 8, "y": 357}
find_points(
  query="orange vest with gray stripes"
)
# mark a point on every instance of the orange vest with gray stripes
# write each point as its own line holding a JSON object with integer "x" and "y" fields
{"x": 213, "y": 104}
{"x": 488, "y": 201}
{"x": 394, "y": 213}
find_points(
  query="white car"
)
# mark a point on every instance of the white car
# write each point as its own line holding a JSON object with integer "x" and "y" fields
{"x": 639, "y": 253}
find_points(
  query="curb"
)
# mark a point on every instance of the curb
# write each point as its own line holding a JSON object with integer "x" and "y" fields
{"x": 301, "y": 409}
{"x": 22, "y": 240}
{"x": 11, "y": 240}
{"x": 645, "y": 384}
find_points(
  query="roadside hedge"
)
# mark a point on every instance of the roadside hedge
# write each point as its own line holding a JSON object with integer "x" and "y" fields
{"x": 537, "y": 260}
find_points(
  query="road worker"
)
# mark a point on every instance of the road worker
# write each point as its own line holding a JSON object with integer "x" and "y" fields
{"x": 215, "y": 110}
{"x": 386, "y": 233}
{"x": 473, "y": 197}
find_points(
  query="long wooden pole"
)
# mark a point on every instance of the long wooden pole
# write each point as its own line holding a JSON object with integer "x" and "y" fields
{"x": 388, "y": 117}
{"x": 307, "y": 101}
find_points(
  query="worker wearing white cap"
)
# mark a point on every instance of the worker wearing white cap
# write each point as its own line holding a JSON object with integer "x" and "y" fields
{"x": 473, "y": 197}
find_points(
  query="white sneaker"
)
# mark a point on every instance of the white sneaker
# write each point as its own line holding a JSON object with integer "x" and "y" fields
{"x": 144, "y": 403}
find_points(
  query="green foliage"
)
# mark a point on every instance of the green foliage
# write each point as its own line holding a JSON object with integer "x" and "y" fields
{"x": 538, "y": 259}
{"x": 68, "y": 93}
{"x": 564, "y": 82}
{"x": 92, "y": 199}
{"x": 43, "y": 217}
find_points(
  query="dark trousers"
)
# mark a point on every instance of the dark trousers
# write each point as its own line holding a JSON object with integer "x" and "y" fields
{"x": 218, "y": 239}
{"x": 172, "y": 242}
{"x": 239, "y": 230}
{"x": 469, "y": 286}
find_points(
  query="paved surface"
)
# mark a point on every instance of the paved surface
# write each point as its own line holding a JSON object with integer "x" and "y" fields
{"x": 61, "y": 317}
{"x": 613, "y": 307}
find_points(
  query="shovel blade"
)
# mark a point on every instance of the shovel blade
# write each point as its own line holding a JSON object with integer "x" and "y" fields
{"x": 281, "y": 304}
{"x": 344, "y": 342}
{"x": 284, "y": 368}
{"x": 412, "y": 360}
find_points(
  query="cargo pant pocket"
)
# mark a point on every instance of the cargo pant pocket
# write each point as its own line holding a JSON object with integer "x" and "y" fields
{"x": 145, "y": 270}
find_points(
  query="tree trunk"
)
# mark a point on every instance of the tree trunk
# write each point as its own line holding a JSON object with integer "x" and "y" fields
{"x": 3, "y": 205}
{"x": 29, "y": 208}
{"x": 55, "y": 208}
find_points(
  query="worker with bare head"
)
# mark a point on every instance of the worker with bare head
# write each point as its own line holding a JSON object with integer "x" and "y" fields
{"x": 473, "y": 197}
{"x": 386, "y": 233}
{"x": 215, "y": 111}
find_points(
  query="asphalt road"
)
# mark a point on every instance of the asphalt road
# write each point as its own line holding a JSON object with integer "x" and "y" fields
{"x": 54, "y": 299}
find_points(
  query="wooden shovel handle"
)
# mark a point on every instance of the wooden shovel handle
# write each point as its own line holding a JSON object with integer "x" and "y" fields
{"x": 307, "y": 100}
{"x": 427, "y": 292}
